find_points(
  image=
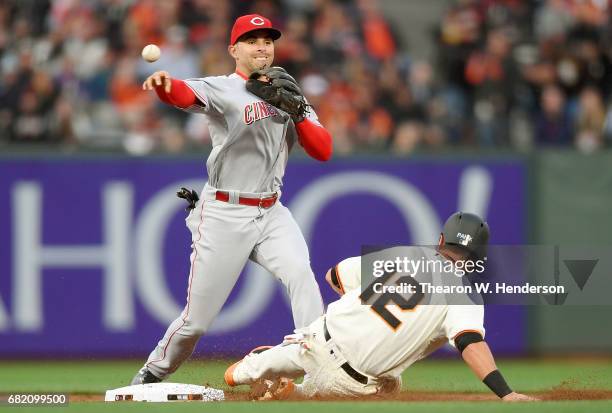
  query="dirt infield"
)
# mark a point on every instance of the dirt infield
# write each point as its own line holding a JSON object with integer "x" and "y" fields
{"x": 418, "y": 396}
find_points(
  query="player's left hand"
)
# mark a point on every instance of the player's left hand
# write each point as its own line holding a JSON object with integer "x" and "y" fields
{"x": 278, "y": 88}
{"x": 518, "y": 397}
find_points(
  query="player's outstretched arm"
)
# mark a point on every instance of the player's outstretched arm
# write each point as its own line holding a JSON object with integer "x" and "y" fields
{"x": 478, "y": 357}
{"x": 171, "y": 91}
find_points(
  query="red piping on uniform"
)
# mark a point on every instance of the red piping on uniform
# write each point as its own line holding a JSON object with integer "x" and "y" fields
{"x": 315, "y": 139}
{"x": 194, "y": 259}
{"x": 193, "y": 262}
{"x": 180, "y": 94}
{"x": 242, "y": 75}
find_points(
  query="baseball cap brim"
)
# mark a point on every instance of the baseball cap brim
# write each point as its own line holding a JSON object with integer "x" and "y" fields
{"x": 274, "y": 33}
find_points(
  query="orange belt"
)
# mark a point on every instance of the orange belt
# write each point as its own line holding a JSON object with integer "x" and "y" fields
{"x": 258, "y": 202}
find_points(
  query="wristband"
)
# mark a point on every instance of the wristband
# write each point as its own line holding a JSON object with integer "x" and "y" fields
{"x": 495, "y": 381}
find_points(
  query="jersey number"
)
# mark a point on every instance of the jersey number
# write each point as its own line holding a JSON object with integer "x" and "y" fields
{"x": 379, "y": 305}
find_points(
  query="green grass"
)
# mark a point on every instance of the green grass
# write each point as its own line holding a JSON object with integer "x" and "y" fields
{"x": 430, "y": 375}
{"x": 323, "y": 407}
{"x": 522, "y": 375}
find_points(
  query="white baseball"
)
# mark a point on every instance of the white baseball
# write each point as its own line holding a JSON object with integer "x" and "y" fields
{"x": 151, "y": 53}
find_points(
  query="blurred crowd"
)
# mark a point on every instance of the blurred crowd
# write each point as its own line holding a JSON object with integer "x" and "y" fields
{"x": 528, "y": 73}
{"x": 507, "y": 73}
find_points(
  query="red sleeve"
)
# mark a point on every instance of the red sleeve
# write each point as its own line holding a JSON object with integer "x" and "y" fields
{"x": 315, "y": 139}
{"x": 180, "y": 94}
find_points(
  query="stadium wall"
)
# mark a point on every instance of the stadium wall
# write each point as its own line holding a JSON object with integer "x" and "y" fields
{"x": 94, "y": 252}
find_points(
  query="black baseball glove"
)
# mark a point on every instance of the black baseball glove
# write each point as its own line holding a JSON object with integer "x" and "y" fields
{"x": 190, "y": 196}
{"x": 280, "y": 90}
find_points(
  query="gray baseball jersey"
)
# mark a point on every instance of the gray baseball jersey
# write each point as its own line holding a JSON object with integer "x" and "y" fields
{"x": 251, "y": 142}
{"x": 251, "y": 139}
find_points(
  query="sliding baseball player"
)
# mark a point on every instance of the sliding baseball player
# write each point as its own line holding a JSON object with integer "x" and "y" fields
{"x": 365, "y": 341}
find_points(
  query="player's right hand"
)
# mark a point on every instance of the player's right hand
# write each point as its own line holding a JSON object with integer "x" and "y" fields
{"x": 518, "y": 397}
{"x": 159, "y": 78}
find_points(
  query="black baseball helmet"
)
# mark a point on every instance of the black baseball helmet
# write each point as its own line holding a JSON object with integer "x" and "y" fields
{"x": 467, "y": 231}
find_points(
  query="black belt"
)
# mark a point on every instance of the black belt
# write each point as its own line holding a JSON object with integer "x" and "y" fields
{"x": 346, "y": 367}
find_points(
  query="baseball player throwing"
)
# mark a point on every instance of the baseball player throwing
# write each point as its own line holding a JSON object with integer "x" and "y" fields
{"x": 357, "y": 349}
{"x": 239, "y": 215}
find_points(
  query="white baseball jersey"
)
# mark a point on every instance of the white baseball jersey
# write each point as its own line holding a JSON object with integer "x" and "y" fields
{"x": 372, "y": 345}
{"x": 251, "y": 139}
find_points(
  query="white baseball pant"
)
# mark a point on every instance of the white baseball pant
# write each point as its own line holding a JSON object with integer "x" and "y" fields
{"x": 308, "y": 353}
{"x": 225, "y": 235}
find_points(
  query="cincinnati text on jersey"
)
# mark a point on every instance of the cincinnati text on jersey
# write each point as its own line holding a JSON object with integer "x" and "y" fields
{"x": 257, "y": 111}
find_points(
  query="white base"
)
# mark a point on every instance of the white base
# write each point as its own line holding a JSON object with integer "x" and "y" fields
{"x": 164, "y": 392}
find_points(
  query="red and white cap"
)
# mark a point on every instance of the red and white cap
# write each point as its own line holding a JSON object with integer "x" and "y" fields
{"x": 252, "y": 22}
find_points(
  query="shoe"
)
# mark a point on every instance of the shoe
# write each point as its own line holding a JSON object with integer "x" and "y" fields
{"x": 389, "y": 385}
{"x": 279, "y": 389}
{"x": 229, "y": 373}
{"x": 144, "y": 376}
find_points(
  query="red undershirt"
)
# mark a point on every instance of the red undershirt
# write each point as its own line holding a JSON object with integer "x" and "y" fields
{"x": 315, "y": 139}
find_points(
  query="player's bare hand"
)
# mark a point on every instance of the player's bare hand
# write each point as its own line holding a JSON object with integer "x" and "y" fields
{"x": 518, "y": 397}
{"x": 159, "y": 78}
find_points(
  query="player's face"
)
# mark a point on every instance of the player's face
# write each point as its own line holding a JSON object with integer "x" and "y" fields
{"x": 254, "y": 52}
